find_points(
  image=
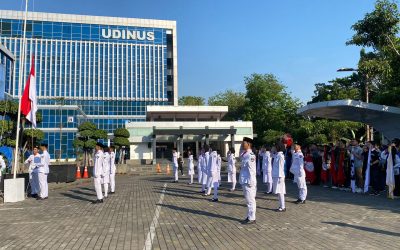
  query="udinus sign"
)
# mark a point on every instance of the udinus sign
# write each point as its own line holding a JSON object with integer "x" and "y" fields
{"x": 127, "y": 34}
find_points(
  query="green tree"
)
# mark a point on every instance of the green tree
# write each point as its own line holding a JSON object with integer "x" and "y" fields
{"x": 269, "y": 105}
{"x": 32, "y": 137}
{"x": 338, "y": 89}
{"x": 235, "y": 102}
{"x": 121, "y": 142}
{"x": 191, "y": 101}
{"x": 86, "y": 139}
{"x": 379, "y": 68}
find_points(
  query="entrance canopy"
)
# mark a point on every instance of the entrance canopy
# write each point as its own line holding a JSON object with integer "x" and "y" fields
{"x": 204, "y": 131}
{"x": 385, "y": 119}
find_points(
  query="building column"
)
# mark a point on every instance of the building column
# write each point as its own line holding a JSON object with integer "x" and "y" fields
{"x": 197, "y": 149}
{"x": 154, "y": 147}
{"x": 181, "y": 145}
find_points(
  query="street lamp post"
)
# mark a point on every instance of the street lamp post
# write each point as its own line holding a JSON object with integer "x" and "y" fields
{"x": 366, "y": 88}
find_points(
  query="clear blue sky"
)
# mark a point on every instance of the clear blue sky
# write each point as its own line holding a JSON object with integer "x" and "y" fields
{"x": 220, "y": 42}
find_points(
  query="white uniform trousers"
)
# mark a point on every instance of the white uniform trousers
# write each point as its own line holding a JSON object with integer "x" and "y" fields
{"x": 209, "y": 184}
{"x": 112, "y": 182}
{"x": 214, "y": 184}
{"x": 204, "y": 179}
{"x": 105, "y": 189}
{"x": 199, "y": 174}
{"x": 250, "y": 196}
{"x": 43, "y": 185}
{"x": 302, "y": 185}
{"x": 269, "y": 187}
{"x": 97, "y": 187}
{"x": 281, "y": 198}
{"x": 34, "y": 183}
{"x": 191, "y": 179}
{"x": 176, "y": 173}
{"x": 232, "y": 178}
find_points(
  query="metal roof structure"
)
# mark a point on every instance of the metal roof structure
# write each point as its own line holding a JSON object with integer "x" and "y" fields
{"x": 385, "y": 119}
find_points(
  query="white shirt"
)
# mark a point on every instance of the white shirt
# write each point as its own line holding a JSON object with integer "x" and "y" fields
{"x": 2, "y": 165}
{"x": 175, "y": 159}
{"x": 98, "y": 164}
{"x": 278, "y": 166}
{"x": 106, "y": 164}
{"x": 267, "y": 162}
{"x": 248, "y": 172}
{"x": 46, "y": 161}
{"x": 112, "y": 162}
{"x": 298, "y": 164}
{"x": 34, "y": 167}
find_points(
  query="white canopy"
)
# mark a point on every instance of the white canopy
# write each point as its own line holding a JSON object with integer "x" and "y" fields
{"x": 385, "y": 119}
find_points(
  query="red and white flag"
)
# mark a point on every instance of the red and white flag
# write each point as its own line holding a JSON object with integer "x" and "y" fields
{"x": 29, "y": 100}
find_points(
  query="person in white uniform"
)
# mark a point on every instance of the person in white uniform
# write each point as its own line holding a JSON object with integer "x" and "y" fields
{"x": 175, "y": 164}
{"x": 204, "y": 167}
{"x": 248, "y": 179}
{"x": 278, "y": 176}
{"x": 267, "y": 169}
{"x": 113, "y": 169}
{"x": 297, "y": 169}
{"x": 2, "y": 166}
{"x": 219, "y": 165}
{"x": 106, "y": 171}
{"x": 44, "y": 187}
{"x": 232, "y": 169}
{"x": 34, "y": 161}
{"x": 98, "y": 172}
{"x": 214, "y": 176}
{"x": 199, "y": 162}
{"x": 190, "y": 166}
{"x": 209, "y": 184}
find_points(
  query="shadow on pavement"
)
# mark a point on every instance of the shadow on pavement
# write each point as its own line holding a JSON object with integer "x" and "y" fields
{"x": 80, "y": 192}
{"x": 200, "y": 212}
{"x": 367, "y": 229}
{"x": 76, "y": 197}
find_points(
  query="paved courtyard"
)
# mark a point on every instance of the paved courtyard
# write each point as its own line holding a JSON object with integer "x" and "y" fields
{"x": 151, "y": 212}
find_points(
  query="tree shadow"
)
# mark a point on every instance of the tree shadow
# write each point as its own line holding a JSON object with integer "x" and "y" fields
{"x": 367, "y": 229}
{"x": 200, "y": 212}
{"x": 80, "y": 192}
{"x": 76, "y": 197}
{"x": 89, "y": 189}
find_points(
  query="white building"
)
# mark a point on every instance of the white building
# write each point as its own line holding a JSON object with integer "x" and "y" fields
{"x": 184, "y": 127}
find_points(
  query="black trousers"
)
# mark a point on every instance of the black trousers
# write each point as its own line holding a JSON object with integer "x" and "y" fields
{"x": 180, "y": 167}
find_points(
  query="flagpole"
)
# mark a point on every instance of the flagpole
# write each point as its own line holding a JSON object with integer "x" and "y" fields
{"x": 21, "y": 71}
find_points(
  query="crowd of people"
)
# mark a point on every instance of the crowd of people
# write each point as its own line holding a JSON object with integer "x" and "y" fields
{"x": 271, "y": 160}
{"x": 367, "y": 168}
{"x": 347, "y": 166}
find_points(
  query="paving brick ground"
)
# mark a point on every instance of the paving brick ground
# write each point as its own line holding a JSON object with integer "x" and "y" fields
{"x": 331, "y": 219}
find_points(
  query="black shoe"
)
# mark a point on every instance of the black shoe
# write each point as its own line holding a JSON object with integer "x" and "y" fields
{"x": 34, "y": 195}
{"x": 112, "y": 192}
{"x": 214, "y": 200}
{"x": 245, "y": 220}
{"x": 98, "y": 201}
{"x": 45, "y": 198}
{"x": 281, "y": 209}
{"x": 39, "y": 198}
{"x": 302, "y": 202}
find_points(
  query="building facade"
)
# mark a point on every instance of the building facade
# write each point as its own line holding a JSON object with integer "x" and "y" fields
{"x": 89, "y": 68}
